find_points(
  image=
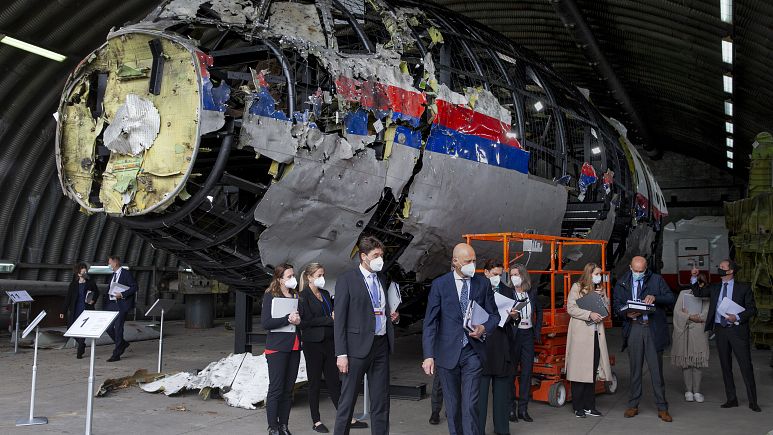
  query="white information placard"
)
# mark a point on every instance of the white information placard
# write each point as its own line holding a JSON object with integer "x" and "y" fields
{"x": 91, "y": 324}
{"x": 33, "y": 324}
{"x": 158, "y": 306}
{"x": 19, "y": 296}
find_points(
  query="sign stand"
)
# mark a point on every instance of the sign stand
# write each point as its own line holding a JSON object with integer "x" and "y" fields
{"x": 365, "y": 400}
{"x": 91, "y": 324}
{"x": 17, "y": 297}
{"x": 33, "y": 420}
{"x": 158, "y": 308}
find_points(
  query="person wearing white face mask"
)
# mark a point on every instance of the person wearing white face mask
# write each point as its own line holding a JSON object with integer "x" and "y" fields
{"x": 458, "y": 354}
{"x": 587, "y": 357}
{"x": 526, "y": 331}
{"x": 498, "y": 366}
{"x": 316, "y": 309}
{"x": 364, "y": 337}
{"x": 282, "y": 350}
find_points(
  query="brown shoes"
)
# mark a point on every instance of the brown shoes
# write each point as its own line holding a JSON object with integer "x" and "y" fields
{"x": 631, "y": 412}
{"x": 665, "y": 416}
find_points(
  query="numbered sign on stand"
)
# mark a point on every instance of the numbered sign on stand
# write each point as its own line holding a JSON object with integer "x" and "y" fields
{"x": 91, "y": 324}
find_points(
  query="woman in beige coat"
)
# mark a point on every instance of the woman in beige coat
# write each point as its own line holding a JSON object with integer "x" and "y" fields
{"x": 690, "y": 348}
{"x": 587, "y": 358}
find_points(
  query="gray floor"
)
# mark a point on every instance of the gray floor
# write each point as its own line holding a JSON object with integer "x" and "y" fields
{"x": 62, "y": 390}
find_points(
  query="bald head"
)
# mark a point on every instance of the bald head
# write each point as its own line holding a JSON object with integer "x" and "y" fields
{"x": 639, "y": 264}
{"x": 463, "y": 255}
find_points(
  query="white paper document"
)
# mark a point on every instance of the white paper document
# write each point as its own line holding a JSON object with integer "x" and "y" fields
{"x": 727, "y": 306}
{"x": 692, "y": 304}
{"x": 504, "y": 305}
{"x": 393, "y": 297}
{"x": 281, "y": 307}
{"x": 474, "y": 316}
{"x": 115, "y": 287}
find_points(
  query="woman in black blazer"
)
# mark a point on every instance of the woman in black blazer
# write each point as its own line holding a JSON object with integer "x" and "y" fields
{"x": 82, "y": 294}
{"x": 498, "y": 368}
{"x": 527, "y": 330}
{"x": 316, "y": 309}
{"x": 283, "y": 350}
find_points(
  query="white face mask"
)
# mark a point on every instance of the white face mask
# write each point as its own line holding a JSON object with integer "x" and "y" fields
{"x": 495, "y": 280}
{"x": 319, "y": 282}
{"x": 596, "y": 279}
{"x": 516, "y": 280}
{"x": 377, "y": 264}
{"x": 291, "y": 283}
{"x": 468, "y": 270}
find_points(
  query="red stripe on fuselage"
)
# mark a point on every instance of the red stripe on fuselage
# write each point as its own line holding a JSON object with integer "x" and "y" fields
{"x": 467, "y": 121}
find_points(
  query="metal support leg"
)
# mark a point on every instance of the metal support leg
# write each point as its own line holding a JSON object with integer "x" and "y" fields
{"x": 90, "y": 397}
{"x": 161, "y": 342}
{"x": 16, "y": 331}
{"x": 33, "y": 420}
{"x": 365, "y": 400}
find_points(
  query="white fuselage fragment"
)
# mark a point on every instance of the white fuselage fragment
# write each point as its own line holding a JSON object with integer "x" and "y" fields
{"x": 134, "y": 127}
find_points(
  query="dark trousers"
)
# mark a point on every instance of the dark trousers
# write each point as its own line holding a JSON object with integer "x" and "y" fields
{"x": 115, "y": 331}
{"x": 376, "y": 365}
{"x": 282, "y": 372}
{"x": 501, "y": 396}
{"x": 320, "y": 358}
{"x": 523, "y": 356}
{"x": 584, "y": 393}
{"x": 735, "y": 340}
{"x": 641, "y": 347}
{"x": 437, "y": 394}
{"x": 461, "y": 386}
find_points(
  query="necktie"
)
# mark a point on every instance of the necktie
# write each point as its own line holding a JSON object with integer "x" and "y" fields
{"x": 375, "y": 298}
{"x": 644, "y": 317}
{"x": 722, "y": 319}
{"x": 464, "y": 300}
{"x": 115, "y": 276}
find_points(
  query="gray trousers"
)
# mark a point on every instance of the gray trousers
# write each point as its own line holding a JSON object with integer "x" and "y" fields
{"x": 692, "y": 379}
{"x": 641, "y": 347}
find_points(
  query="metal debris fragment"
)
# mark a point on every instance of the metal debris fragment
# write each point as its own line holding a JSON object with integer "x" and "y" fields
{"x": 134, "y": 127}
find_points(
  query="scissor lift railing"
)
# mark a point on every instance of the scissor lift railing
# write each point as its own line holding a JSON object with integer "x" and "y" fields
{"x": 549, "y": 382}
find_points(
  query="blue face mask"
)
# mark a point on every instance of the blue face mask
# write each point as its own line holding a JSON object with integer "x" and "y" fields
{"x": 637, "y": 275}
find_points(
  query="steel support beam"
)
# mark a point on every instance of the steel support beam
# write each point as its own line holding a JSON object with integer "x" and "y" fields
{"x": 573, "y": 20}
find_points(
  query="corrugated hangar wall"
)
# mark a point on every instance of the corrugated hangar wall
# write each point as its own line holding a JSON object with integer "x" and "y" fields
{"x": 666, "y": 54}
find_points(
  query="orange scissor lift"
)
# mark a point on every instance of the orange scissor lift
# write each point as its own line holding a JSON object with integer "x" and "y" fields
{"x": 549, "y": 382}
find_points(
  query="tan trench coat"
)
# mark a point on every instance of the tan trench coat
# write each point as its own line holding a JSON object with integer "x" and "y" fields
{"x": 579, "y": 344}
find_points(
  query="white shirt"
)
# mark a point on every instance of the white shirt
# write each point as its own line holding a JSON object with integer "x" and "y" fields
{"x": 382, "y": 308}
{"x": 115, "y": 279}
{"x": 459, "y": 280}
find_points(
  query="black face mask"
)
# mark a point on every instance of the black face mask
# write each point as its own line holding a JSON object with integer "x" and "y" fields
{"x": 722, "y": 272}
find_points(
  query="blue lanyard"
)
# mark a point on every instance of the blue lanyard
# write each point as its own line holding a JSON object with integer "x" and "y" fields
{"x": 329, "y": 310}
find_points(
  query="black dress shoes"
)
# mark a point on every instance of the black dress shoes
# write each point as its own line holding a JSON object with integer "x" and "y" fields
{"x": 114, "y": 358}
{"x": 283, "y": 430}
{"x": 273, "y": 431}
{"x": 434, "y": 418}
{"x": 513, "y": 416}
{"x": 525, "y": 417}
{"x": 754, "y": 407}
{"x": 730, "y": 404}
{"x": 321, "y": 428}
{"x": 358, "y": 425}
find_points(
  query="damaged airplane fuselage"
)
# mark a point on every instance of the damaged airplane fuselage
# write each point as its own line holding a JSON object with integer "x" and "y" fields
{"x": 239, "y": 134}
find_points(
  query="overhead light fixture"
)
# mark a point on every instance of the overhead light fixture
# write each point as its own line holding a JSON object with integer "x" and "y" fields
{"x": 7, "y": 267}
{"x": 730, "y": 164}
{"x": 103, "y": 270}
{"x": 538, "y": 106}
{"x": 729, "y": 154}
{"x": 188, "y": 270}
{"x": 727, "y": 83}
{"x": 34, "y": 49}
{"x": 726, "y": 11}
{"x": 729, "y": 142}
{"x": 210, "y": 198}
{"x": 729, "y": 127}
{"x": 728, "y": 108}
{"x": 727, "y": 51}
{"x": 593, "y": 133}
{"x": 595, "y": 150}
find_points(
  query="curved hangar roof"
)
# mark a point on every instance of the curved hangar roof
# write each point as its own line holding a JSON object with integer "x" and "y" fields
{"x": 665, "y": 55}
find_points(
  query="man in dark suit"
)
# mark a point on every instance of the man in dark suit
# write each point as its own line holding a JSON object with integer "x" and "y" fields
{"x": 364, "y": 337}
{"x": 121, "y": 301}
{"x": 645, "y": 335}
{"x": 731, "y": 331}
{"x": 458, "y": 354}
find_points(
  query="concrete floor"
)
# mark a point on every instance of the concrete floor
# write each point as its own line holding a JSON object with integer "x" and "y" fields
{"x": 62, "y": 389}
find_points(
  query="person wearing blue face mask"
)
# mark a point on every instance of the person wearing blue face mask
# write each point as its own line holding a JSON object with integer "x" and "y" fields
{"x": 645, "y": 335}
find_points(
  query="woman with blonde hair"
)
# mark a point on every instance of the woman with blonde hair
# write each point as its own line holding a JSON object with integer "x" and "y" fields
{"x": 283, "y": 350}
{"x": 527, "y": 330}
{"x": 316, "y": 310}
{"x": 690, "y": 344}
{"x": 587, "y": 357}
